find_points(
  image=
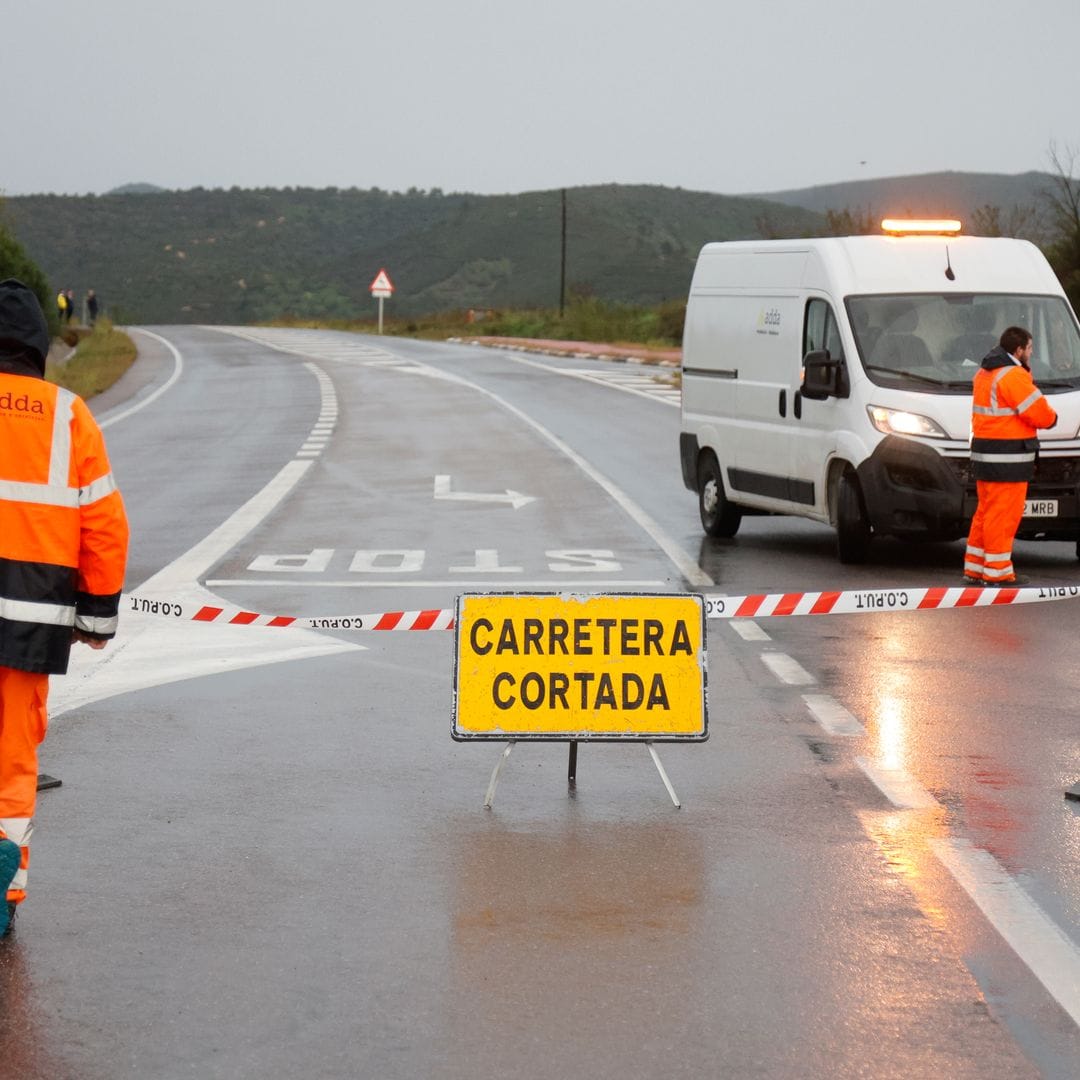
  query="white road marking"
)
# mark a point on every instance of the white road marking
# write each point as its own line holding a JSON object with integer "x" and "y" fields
{"x": 687, "y": 566}
{"x": 787, "y": 670}
{"x": 832, "y": 716}
{"x": 150, "y": 651}
{"x": 308, "y": 346}
{"x": 1052, "y": 956}
{"x": 514, "y": 498}
{"x": 178, "y": 369}
{"x": 641, "y": 385}
{"x": 549, "y": 584}
{"x": 311, "y": 343}
{"x": 486, "y": 561}
{"x": 898, "y": 786}
{"x": 748, "y": 630}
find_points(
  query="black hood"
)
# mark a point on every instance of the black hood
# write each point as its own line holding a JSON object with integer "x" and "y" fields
{"x": 997, "y": 357}
{"x": 24, "y": 333}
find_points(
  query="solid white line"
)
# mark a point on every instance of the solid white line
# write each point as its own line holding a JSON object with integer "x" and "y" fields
{"x": 748, "y": 630}
{"x": 787, "y": 670}
{"x": 1052, "y": 956}
{"x": 551, "y": 584}
{"x": 832, "y": 716}
{"x": 898, "y": 786}
{"x": 213, "y": 548}
{"x": 178, "y": 369}
{"x": 684, "y": 564}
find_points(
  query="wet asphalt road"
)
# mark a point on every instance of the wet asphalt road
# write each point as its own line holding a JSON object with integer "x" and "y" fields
{"x": 269, "y": 859}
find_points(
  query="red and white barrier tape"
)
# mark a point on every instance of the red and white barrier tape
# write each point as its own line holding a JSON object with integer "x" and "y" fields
{"x": 758, "y": 606}
{"x": 868, "y": 601}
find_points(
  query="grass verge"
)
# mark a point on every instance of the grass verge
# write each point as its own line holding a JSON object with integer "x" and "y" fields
{"x": 100, "y": 359}
{"x": 586, "y": 319}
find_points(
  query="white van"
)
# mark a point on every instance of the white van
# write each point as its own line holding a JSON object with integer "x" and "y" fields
{"x": 831, "y": 378}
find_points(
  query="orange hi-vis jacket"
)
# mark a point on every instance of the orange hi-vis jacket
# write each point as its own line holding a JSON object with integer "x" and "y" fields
{"x": 1007, "y": 409}
{"x": 63, "y": 529}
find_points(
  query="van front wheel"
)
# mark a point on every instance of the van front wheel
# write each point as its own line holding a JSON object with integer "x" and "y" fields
{"x": 852, "y": 526}
{"x": 718, "y": 516}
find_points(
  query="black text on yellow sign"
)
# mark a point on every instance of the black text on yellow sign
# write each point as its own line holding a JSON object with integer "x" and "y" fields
{"x": 547, "y": 666}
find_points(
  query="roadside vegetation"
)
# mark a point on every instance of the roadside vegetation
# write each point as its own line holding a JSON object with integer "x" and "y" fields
{"x": 100, "y": 358}
{"x": 15, "y": 263}
{"x": 584, "y": 319}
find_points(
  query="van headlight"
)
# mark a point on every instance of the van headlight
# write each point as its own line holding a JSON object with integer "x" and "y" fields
{"x": 898, "y": 422}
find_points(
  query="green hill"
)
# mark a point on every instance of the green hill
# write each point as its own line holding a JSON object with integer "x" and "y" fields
{"x": 945, "y": 194}
{"x": 251, "y": 255}
{"x": 254, "y": 255}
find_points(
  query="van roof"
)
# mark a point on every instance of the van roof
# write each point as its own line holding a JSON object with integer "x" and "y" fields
{"x": 853, "y": 265}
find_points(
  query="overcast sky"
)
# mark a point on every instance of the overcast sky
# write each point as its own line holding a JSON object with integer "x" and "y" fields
{"x": 503, "y": 96}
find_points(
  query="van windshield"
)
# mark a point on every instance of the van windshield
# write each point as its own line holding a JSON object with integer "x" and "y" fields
{"x": 937, "y": 341}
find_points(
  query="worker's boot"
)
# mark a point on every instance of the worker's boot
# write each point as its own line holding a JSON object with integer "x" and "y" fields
{"x": 10, "y": 856}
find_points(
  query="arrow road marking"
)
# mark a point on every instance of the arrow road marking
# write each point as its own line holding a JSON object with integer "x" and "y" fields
{"x": 514, "y": 498}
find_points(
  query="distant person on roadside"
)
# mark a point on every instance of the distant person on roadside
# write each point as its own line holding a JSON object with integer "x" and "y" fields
{"x": 91, "y": 306}
{"x": 1007, "y": 409}
{"x": 61, "y": 306}
{"x": 70, "y": 310}
{"x": 63, "y": 549}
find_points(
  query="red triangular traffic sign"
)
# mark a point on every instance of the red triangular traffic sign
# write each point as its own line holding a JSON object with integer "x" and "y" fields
{"x": 382, "y": 283}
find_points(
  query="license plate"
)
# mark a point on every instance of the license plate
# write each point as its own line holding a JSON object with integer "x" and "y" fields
{"x": 1040, "y": 508}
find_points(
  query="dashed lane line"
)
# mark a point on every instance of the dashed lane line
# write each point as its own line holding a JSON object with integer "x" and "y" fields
{"x": 787, "y": 669}
{"x": 748, "y": 630}
{"x": 898, "y": 786}
{"x": 832, "y": 716}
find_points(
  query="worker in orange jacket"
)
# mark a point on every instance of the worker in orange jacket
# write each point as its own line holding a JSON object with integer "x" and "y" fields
{"x": 63, "y": 549}
{"x": 1007, "y": 410}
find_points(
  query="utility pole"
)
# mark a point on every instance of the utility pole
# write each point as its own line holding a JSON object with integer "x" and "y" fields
{"x": 562, "y": 273}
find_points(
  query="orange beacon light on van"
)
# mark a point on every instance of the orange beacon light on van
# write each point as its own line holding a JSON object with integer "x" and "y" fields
{"x": 920, "y": 227}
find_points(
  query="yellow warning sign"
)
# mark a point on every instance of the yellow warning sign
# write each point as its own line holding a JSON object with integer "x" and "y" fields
{"x": 546, "y": 666}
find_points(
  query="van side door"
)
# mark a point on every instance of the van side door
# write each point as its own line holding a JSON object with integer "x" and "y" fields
{"x": 814, "y": 435}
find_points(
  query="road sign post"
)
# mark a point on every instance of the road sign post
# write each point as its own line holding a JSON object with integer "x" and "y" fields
{"x": 382, "y": 288}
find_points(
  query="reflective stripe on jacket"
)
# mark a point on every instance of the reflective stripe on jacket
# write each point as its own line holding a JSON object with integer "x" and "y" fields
{"x": 63, "y": 530}
{"x": 1007, "y": 409}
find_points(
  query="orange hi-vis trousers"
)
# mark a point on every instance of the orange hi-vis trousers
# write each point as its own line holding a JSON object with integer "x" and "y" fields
{"x": 993, "y": 528}
{"x": 23, "y": 698}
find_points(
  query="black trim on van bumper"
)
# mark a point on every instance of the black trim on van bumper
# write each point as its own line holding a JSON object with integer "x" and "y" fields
{"x": 915, "y": 493}
{"x": 689, "y": 448}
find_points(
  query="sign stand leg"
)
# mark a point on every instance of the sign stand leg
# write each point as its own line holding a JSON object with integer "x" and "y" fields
{"x": 571, "y": 769}
{"x": 663, "y": 775}
{"x": 490, "y": 797}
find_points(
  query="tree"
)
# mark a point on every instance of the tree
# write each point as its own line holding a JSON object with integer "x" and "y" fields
{"x": 1063, "y": 200}
{"x": 15, "y": 263}
{"x": 1019, "y": 221}
{"x": 857, "y": 222}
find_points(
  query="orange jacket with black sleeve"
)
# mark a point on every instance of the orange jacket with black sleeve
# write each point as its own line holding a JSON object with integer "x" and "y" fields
{"x": 1007, "y": 409}
{"x": 63, "y": 529}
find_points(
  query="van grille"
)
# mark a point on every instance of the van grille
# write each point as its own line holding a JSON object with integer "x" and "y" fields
{"x": 1064, "y": 472}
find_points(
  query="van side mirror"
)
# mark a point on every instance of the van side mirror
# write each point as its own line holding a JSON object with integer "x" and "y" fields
{"x": 823, "y": 377}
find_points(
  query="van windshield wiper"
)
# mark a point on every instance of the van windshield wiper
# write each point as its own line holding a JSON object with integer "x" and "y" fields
{"x": 910, "y": 375}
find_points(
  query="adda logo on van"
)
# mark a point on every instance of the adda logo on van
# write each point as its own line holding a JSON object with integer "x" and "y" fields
{"x": 23, "y": 403}
{"x": 768, "y": 321}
